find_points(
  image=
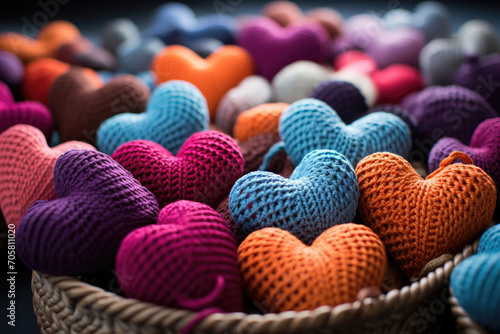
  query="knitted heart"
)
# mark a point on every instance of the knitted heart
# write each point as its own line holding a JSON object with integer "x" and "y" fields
{"x": 204, "y": 170}
{"x": 311, "y": 124}
{"x": 478, "y": 37}
{"x": 255, "y": 149}
{"x": 82, "y": 52}
{"x": 135, "y": 55}
{"x": 117, "y": 32}
{"x": 420, "y": 220}
{"x": 395, "y": 82}
{"x": 189, "y": 261}
{"x": 25, "y": 146}
{"x": 25, "y": 112}
{"x": 175, "y": 110}
{"x": 490, "y": 240}
{"x": 251, "y": 92}
{"x": 283, "y": 274}
{"x": 79, "y": 108}
{"x": 439, "y": 59}
{"x": 98, "y": 204}
{"x": 321, "y": 192}
{"x": 49, "y": 39}
{"x": 11, "y": 69}
{"x": 484, "y": 149}
{"x": 214, "y": 76}
{"x": 261, "y": 119}
{"x": 355, "y": 60}
{"x": 266, "y": 40}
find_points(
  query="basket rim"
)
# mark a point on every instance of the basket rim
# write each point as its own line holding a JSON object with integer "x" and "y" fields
{"x": 462, "y": 318}
{"x": 394, "y": 304}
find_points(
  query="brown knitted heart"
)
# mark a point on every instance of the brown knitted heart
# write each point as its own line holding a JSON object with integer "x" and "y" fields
{"x": 79, "y": 108}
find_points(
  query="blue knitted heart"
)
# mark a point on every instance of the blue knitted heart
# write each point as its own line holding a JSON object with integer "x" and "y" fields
{"x": 321, "y": 192}
{"x": 311, "y": 124}
{"x": 490, "y": 241}
{"x": 175, "y": 111}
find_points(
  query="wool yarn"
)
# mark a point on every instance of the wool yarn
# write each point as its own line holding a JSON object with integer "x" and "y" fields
{"x": 261, "y": 119}
{"x": 451, "y": 111}
{"x": 204, "y": 170}
{"x": 83, "y": 52}
{"x": 11, "y": 69}
{"x": 98, "y": 203}
{"x": 24, "y": 112}
{"x": 484, "y": 149}
{"x": 357, "y": 61}
{"x": 419, "y": 220}
{"x": 343, "y": 97}
{"x": 79, "y": 108}
{"x": 439, "y": 59}
{"x": 321, "y": 192}
{"x": 117, "y": 32}
{"x": 341, "y": 261}
{"x": 40, "y": 74}
{"x": 251, "y": 92}
{"x": 395, "y": 82}
{"x": 296, "y": 81}
{"x": 175, "y": 110}
{"x": 214, "y": 76}
{"x": 490, "y": 240}
{"x": 135, "y": 55}
{"x": 188, "y": 260}
{"x": 311, "y": 124}
{"x": 25, "y": 145}
{"x": 265, "y": 40}
{"x": 478, "y": 37}
{"x": 49, "y": 38}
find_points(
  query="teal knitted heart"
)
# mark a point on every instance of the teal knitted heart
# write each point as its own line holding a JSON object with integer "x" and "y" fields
{"x": 175, "y": 111}
{"x": 490, "y": 241}
{"x": 311, "y": 124}
{"x": 321, "y": 192}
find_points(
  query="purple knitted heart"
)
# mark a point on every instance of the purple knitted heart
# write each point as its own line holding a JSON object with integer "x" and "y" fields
{"x": 25, "y": 112}
{"x": 266, "y": 42}
{"x": 98, "y": 204}
{"x": 11, "y": 68}
{"x": 451, "y": 111}
{"x": 484, "y": 149}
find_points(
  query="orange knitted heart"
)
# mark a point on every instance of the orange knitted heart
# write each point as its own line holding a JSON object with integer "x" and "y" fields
{"x": 48, "y": 41}
{"x": 281, "y": 273}
{"x": 26, "y": 169}
{"x": 261, "y": 119}
{"x": 214, "y": 76}
{"x": 419, "y": 220}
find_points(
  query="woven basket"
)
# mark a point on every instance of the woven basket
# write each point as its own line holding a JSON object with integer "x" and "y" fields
{"x": 465, "y": 324}
{"x": 67, "y": 305}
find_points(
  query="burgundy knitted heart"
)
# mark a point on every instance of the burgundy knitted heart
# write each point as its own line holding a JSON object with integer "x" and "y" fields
{"x": 266, "y": 42}
{"x": 79, "y": 108}
{"x": 26, "y": 112}
{"x": 204, "y": 170}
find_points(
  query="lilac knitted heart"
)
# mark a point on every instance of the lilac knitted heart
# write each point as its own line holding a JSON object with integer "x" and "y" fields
{"x": 98, "y": 204}
{"x": 266, "y": 40}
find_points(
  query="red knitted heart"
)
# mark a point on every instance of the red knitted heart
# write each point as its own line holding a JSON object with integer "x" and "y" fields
{"x": 396, "y": 81}
{"x": 205, "y": 169}
{"x": 26, "y": 169}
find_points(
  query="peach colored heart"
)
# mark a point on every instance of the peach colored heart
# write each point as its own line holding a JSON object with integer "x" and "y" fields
{"x": 26, "y": 169}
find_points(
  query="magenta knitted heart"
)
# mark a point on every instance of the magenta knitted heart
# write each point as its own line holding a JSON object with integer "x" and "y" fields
{"x": 205, "y": 169}
{"x": 189, "y": 260}
{"x": 273, "y": 47}
{"x": 26, "y": 112}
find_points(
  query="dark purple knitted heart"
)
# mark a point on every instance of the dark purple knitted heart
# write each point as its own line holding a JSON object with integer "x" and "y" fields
{"x": 25, "y": 112}
{"x": 273, "y": 47}
{"x": 98, "y": 204}
{"x": 450, "y": 111}
{"x": 484, "y": 149}
{"x": 399, "y": 111}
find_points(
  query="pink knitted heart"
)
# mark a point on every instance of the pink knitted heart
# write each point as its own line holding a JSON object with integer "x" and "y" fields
{"x": 266, "y": 42}
{"x": 205, "y": 169}
{"x": 26, "y": 112}
{"x": 187, "y": 261}
{"x": 26, "y": 169}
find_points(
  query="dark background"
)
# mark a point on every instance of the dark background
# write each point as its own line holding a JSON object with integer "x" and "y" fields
{"x": 91, "y": 15}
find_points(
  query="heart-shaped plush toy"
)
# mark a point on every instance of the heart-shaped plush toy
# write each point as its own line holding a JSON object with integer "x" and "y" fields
{"x": 214, "y": 76}
{"x": 419, "y": 220}
{"x": 11, "y": 69}
{"x": 24, "y": 112}
{"x": 98, "y": 204}
{"x": 83, "y": 52}
{"x": 321, "y": 192}
{"x": 311, "y": 124}
{"x": 189, "y": 260}
{"x": 266, "y": 40}
{"x": 439, "y": 60}
{"x": 26, "y": 169}
{"x": 49, "y": 39}
{"x": 490, "y": 240}
{"x": 484, "y": 149}
{"x": 79, "y": 108}
{"x": 395, "y": 82}
{"x": 261, "y": 119}
{"x": 283, "y": 274}
{"x": 204, "y": 170}
{"x": 116, "y": 32}
{"x": 175, "y": 111}
{"x": 357, "y": 61}
{"x": 135, "y": 55}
